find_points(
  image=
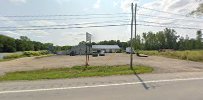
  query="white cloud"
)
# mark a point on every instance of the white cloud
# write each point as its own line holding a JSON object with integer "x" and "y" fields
{"x": 115, "y": 3}
{"x": 18, "y": 1}
{"x": 10, "y": 33}
{"x": 42, "y": 22}
{"x": 183, "y": 7}
{"x": 97, "y": 4}
{"x": 61, "y": 2}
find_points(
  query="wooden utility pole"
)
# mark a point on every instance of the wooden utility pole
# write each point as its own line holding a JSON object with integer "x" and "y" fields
{"x": 86, "y": 62}
{"x": 131, "y": 40}
{"x": 135, "y": 17}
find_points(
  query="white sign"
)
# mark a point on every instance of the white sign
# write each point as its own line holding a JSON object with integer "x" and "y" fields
{"x": 88, "y": 37}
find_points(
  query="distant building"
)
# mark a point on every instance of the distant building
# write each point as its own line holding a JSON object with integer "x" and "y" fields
{"x": 80, "y": 49}
{"x": 61, "y": 52}
{"x": 106, "y": 48}
{"x": 1, "y": 55}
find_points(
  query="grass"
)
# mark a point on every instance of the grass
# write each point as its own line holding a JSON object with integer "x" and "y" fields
{"x": 192, "y": 55}
{"x": 74, "y": 72}
{"x": 25, "y": 54}
{"x": 3, "y": 60}
{"x": 43, "y": 56}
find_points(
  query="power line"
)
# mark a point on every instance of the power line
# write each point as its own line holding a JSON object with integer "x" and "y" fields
{"x": 62, "y": 15}
{"x": 49, "y": 26}
{"x": 99, "y": 22}
{"x": 178, "y": 27}
{"x": 167, "y": 12}
{"x": 98, "y": 26}
{"x": 66, "y": 18}
{"x": 162, "y": 23}
{"x": 169, "y": 18}
{"x": 56, "y": 28}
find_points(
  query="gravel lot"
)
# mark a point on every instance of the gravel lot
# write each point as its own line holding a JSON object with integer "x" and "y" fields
{"x": 160, "y": 64}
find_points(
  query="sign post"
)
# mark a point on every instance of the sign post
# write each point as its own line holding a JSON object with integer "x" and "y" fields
{"x": 88, "y": 40}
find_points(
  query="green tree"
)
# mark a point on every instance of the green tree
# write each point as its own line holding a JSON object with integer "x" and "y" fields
{"x": 171, "y": 38}
{"x": 198, "y": 11}
{"x": 199, "y": 40}
{"x": 7, "y": 44}
{"x": 26, "y": 44}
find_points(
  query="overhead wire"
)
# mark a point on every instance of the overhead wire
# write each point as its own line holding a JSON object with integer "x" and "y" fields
{"x": 62, "y": 19}
{"x": 167, "y": 12}
{"x": 61, "y": 15}
{"x": 81, "y": 16}
{"x": 158, "y": 17}
{"x": 110, "y": 25}
{"x": 76, "y": 24}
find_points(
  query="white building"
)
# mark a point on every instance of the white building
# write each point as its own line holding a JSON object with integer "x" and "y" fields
{"x": 80, "y": 49}
{"x": 106, "y": 48}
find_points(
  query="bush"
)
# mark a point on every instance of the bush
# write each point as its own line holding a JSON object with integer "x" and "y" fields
{"x": 149, "y": 52}
{"x": 193, "y": 55}
{"x": 26, "y": 54}
{"x": 35, "y": 53}
{"x": 13, "y": 56}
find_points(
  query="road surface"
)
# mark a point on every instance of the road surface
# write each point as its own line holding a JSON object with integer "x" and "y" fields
{"x": 170, "y": 86}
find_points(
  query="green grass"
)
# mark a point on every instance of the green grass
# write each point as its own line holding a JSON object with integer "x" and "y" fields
{"x": 3, "y": 60}
{"x": 13, "y": 56}
{"x": 74, "y": 72}
{"x": 25, "y": 54}
{"x": 192, "y": 55}
{"x": 43, "y": 56}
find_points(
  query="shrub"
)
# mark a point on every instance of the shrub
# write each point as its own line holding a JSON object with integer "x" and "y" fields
{"x": 35, "y": 53}
{"x": 26, "y": 54}
{"x": 13, "y": 56}
{"x": 193, "y": 55}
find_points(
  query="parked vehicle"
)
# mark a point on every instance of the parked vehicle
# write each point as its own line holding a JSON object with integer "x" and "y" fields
{"x": 128, "y": 50}
{"x": 72, "y": 53}
{"x": 94, "y": 54}
{"x": 102, "y": 53}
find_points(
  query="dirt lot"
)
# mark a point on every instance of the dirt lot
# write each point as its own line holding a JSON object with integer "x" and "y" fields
{"x": 160, "y": 64}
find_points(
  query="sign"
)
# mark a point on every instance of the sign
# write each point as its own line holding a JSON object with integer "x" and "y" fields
{"x": 88, "y": 37}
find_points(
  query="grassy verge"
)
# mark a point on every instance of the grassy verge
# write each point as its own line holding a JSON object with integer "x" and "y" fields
{"x": 43, "y": 56}
{"x": 2, "y": 60}
{"x": 25, "y": 54}
{"x": 192, "y": 55}
{"x": 74, "y": 72}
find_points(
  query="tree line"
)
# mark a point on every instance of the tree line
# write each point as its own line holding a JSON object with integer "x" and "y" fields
{"x": 166, "y": 39}
{"x": 8, "y": 44}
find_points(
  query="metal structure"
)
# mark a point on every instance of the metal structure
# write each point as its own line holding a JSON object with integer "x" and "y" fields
{"x": 88, "y": 40}
{"x": 131, "y": 39}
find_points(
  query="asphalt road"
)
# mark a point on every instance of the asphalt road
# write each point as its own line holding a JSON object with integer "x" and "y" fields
{"x": 171, "y": 86}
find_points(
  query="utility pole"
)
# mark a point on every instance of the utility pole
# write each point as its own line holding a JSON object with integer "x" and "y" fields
{"x": 86, "y": 62}
{"x": 131, "y": 41}
{"x": 135, "y": 17}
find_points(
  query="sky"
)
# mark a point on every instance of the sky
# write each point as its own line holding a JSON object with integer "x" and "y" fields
{"x": 117, "y": 12}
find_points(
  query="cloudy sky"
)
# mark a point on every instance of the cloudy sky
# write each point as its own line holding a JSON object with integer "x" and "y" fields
{"x": 117, "y": 12}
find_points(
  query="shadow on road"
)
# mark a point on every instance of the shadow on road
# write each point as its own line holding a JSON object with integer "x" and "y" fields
{"x": 140, "y": 79}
